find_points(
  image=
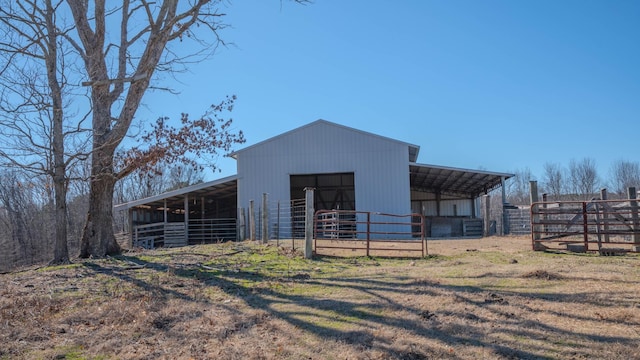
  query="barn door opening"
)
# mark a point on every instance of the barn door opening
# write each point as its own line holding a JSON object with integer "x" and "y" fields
{"x": 332, "y": 191}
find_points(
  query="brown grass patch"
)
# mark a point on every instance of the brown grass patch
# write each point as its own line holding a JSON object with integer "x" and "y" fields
{"x": 485, "y": 298}
{"x": 541, "y": 274}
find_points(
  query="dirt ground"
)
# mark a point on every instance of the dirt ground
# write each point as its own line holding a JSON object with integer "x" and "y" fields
{"x": 490, "y": 298}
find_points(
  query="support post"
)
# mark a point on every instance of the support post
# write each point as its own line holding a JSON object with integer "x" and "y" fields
{"x": 164, "y": 213}
{"x": 423, "y": 235}
{"x": 585, "y": 226}
{"x": 605, "y": 215}
{"x": 278, "y": 226}
{"x": 486, "y": 214}
{"x": 633, "y": 195}
{"x": 368, "y": 232}
{"x": 252, "y": 221}
{"x": 242, "y": 229}
{"x": 204, "y": 229}
{"x": 505, "y": 217}
{"x": 308, "y": 222}
{"x": 186, "y": 219}
{"x": 533, "y": 198}
{"x": 265, "y": 219}
{"x": 131, "y": 229}
{"x": 544, "y": 216}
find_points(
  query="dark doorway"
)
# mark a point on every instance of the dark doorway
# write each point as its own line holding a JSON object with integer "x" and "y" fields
{"x": 332, "y": 191}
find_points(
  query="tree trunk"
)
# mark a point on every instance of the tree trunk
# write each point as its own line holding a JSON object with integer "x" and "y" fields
{"x": 60, "y": 249}
{"x": 98, "y": 239}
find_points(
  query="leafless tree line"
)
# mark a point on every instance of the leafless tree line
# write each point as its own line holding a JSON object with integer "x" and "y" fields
{"x": 578, "y": 180}
{"x": 72, "y": 76}
{"x": 27, "y": 215}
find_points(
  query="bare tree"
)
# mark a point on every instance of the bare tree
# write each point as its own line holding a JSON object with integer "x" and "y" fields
{"x": 181, "y": 176}
{"x": 583, "y": 178}
{"x": 146, "y": 31}
{"x": 554, "y": 179}
{"x": 33, "y": 82}
{"x": 517, "y": 189}
{"x": 148, "y": 39}
{"x": 624, "y": 174}
{"x": 25, "y": 219}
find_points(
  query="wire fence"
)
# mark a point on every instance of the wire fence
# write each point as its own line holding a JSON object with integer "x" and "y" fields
{"x": 285, "y": 221}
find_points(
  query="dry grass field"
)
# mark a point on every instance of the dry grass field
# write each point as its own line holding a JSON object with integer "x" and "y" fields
{"x": 490, "y": 298}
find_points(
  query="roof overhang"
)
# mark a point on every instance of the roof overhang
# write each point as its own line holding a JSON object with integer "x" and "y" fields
{"x": 454, "y": 181}
{"x": 224, "y": 187}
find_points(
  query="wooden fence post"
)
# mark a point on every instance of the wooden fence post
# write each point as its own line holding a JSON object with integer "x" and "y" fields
{"x": 486, "y": 214}
{"x": 308, "y": 223}
{"x": 633, "y": 195}
{"x": 252, "y": 221}
{"x": 186, "y": 219}
{"x": 278, "y": 226}
{"x": 242, "y": 228}
{"x": 605, "y": 215}
{"x": 544, "y": 216}
{"x": 368, "y": 232}
{"x": 533, "y": 198}
{"x": 265, "y": 219}
{"x": 505, "y": 216}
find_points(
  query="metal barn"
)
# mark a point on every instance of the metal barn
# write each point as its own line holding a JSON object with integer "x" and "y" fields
{"x": 349, "y": 169}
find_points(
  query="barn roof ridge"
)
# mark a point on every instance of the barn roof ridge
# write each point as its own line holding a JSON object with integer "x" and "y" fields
{"x": 413, "y": 149}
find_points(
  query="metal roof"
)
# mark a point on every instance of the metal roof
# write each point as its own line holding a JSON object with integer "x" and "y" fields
{"x": 413, "y": 149}
{"x": 423, "y": 177}
{"x": 227, "y": 186}
{"x": 454, "y": 181}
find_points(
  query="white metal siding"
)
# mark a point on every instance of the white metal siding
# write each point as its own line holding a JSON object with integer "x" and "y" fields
{"x": 380, "y": 166}
{"x": 463, "y": 207}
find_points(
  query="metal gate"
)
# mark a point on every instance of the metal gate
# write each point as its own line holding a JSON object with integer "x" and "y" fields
{"x": 364, "y": 233}
{"x": 607, "y": 226}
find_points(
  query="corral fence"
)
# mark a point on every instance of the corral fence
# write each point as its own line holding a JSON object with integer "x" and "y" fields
{"x": 518, "y": 220}
{"x": 175, "y": 234}
{"x": 364, "y": 233}
{"x": 607, "y": 226}
{"x": 278, "y": 221}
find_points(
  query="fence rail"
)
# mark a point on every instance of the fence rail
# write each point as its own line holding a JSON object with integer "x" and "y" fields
{"x": 212, "y": 230}
{"x": 587, "y": 225}
{"x": 369, "y": 232}
{"x": 173, "y": 234}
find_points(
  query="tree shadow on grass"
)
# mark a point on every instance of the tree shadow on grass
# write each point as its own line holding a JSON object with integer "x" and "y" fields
{"x": 399, "y": 304}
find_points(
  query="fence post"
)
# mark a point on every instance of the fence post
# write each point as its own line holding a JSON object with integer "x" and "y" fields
{"x": 544, "y": 216}
{"x": 186, "y": 219}
{"x": 585, "y": 226}
{"x": 423, "y": 232}
{"x": 634, "y": 216}
{"x": 605, "y": 215}
{"x": 533, "y": 198}
{"x": 486, "y": 214}
{"x": 278, "y": 226}
{"x": 308, "y": 223}
{"x": 252, "y": 221}
{"x": 368, "y": 231}
{"x": 505, "y": 216}
{"x": 265, "y": 219}
{"x": 242, "y": 229}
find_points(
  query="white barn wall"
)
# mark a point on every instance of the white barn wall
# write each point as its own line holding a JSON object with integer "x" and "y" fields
{"x": 429, "y": 204}
{"x": 380, "y": 165}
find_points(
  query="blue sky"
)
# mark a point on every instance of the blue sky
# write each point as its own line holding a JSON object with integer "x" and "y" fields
{"x": 496, "y": 85}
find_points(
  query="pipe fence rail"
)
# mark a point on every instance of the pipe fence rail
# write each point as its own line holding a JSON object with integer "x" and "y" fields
{"x": 174, "y": 234}
{"x": 286, "y": 219}
{"x": 370, "y": 232}
{"x": 212, "y": 230}
{"x": 607, "y": 226}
